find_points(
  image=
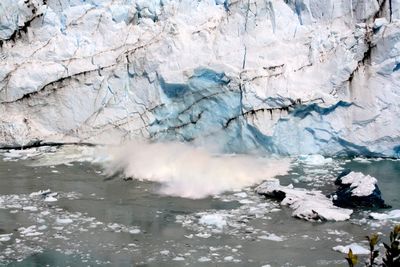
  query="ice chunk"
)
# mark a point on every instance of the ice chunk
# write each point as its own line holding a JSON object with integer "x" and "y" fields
{"x": 307, "y": 205}
{"x": 5, "y": 237}
{"x": 40, "y": 193}
{"x": 357, "y": 190}
{"x": 30, "y": 208}
{"x": 164, "y": 252}
{"x": 204, "y": 259}
{"x": 272, "y": 237}
{"x": 217, "y": 220}
{"x": 203, "y": 235}
{"x": 364, "y": 185}
{"x": 314, "y": 160}
{"x": 134, "y": 231}
{"x": 393, "y": 214}
{"x": 64, "y": 220}
{"x": 356, "y": 248}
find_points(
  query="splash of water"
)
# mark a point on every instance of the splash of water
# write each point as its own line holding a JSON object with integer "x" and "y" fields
{"x": 191, "y": 172}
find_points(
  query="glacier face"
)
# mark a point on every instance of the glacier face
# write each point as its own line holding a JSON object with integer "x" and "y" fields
{"x": 275, "y": 76}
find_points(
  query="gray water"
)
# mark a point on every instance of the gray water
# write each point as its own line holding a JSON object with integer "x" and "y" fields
{"x": 126, "y": 223}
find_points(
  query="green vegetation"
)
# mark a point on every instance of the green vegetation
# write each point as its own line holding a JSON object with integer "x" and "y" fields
{"x": 392, "y": 253}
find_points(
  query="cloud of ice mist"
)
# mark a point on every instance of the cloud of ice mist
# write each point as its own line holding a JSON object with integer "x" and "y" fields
{"x": 190, "y": 172}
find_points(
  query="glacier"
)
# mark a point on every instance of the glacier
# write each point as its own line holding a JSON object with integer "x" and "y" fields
{"x": 288, "y": 77}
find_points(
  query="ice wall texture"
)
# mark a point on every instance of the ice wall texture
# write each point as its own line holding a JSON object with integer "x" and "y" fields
{"x": 273, "y": 76}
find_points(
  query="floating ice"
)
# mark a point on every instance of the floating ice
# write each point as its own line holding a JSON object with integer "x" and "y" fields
{"x": 272, "y": 237}
{"x": 30, "y": 208}
{"x": 5, "y": 237}
{"x": 315, "y": 160}
{"x": 307, "y": 205}
{"x": 29, "y": 231}
{"x": 134, "y": 231}
{"x": 204, "y": 259}
{"x": 356, "y": 248}
{"x": 357, "y": 190}
{"x": 164, "y": 252}
{"x": 50, "y": 198}
{"x": 393, "y": 214}
{"x": 203, "y": 235}
{"x": 64, "y": 221}
{"x": 217, "y": 220}
{"x": 363, "y": 185}
{"x": 40, "y": 193}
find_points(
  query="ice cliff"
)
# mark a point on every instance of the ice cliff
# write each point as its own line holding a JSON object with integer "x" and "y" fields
{"x": 276, "y": 76}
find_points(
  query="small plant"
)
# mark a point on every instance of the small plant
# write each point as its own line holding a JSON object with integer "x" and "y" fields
{"x": 392, "y": 253}
{"x": 374, "y": 253}
{"x": 352, "y": 259}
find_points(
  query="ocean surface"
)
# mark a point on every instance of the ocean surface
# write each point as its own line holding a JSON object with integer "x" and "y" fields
{"x": 87, "y": 218}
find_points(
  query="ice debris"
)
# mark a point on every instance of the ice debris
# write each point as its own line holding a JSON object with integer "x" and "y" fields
{"x": 357, "y": 190}
{"x": 5, "y": 237}
{"x": 307, "y": 205}
{"x": 315, "y": 160}
{"x": 217, "y": 220}
{"x": 356, "y": 248}
{"x": 393, "y": 214}
{"x": 272, "y": 237}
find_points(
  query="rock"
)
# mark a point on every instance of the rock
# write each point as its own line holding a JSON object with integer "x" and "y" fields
{"x": 357, "y": 190}
{"x": 307, "y": 205}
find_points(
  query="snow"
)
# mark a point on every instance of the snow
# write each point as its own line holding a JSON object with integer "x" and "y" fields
{"x": 364, "y": 185}
{"x": 356, "y": 248}
{"x": 393, "y": 214}
{"x": 307, "y": 205}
